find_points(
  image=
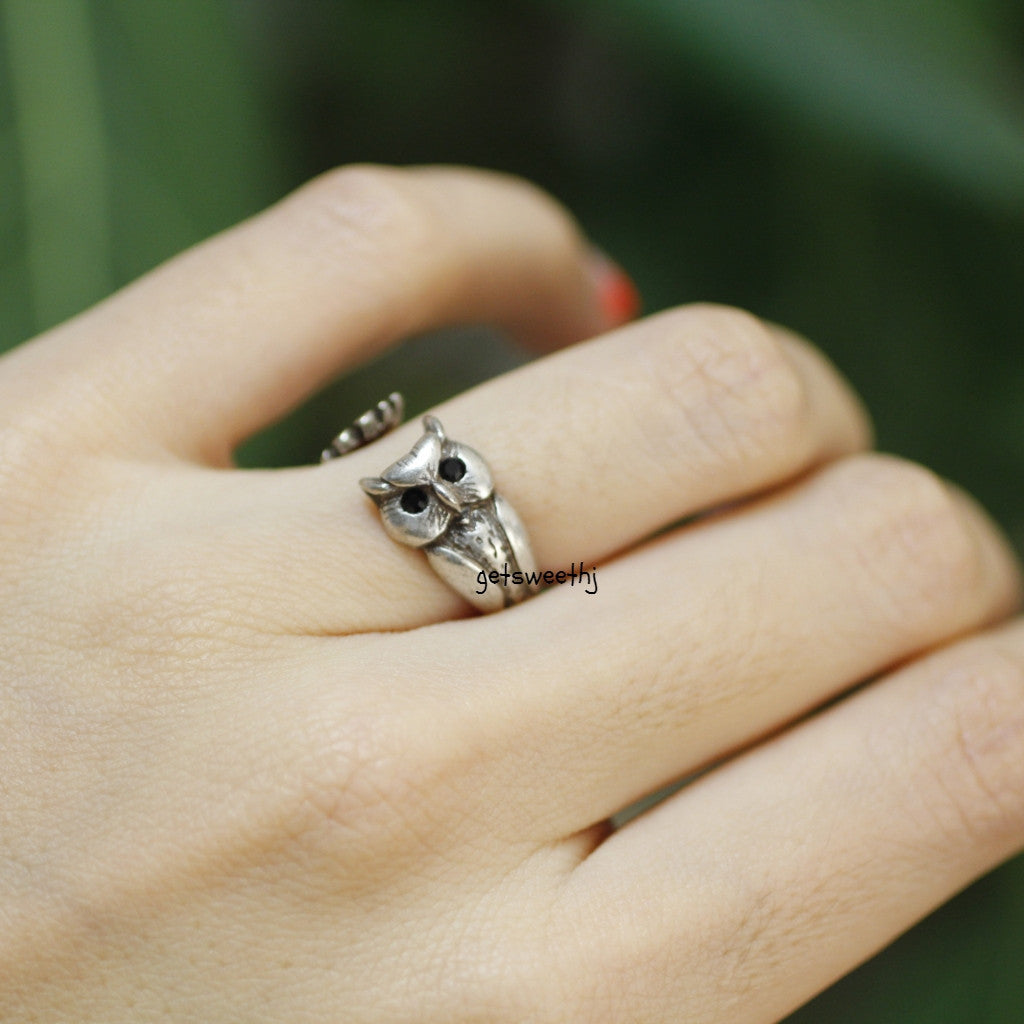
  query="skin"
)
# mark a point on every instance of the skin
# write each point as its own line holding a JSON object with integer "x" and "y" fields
{"x": 259, "y": 764}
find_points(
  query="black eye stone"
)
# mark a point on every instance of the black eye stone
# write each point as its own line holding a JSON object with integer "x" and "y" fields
{"x": 414, "y": 500}
{"x": 452, "y": 470}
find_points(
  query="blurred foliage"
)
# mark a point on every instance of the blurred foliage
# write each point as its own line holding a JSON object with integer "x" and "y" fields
{"x": 852, "y": 169}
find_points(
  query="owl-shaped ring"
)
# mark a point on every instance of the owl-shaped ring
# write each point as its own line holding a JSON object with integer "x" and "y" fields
{"x": 440, "y": 497}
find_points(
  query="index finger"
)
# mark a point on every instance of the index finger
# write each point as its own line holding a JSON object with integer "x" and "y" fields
{"x": 228, "y": 336}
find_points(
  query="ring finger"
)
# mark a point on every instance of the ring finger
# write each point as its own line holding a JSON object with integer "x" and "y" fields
{"x": 596, "y": 447}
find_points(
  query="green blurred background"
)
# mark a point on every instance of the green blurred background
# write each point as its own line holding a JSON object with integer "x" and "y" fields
{"x": 852, "y": 168}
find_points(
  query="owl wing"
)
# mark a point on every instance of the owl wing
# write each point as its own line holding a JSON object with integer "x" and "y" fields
{"x": 462, "y": 574}
{"x": 516, "y": 534}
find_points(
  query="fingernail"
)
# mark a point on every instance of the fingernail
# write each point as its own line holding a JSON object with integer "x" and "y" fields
{"x": 617, "y": 296}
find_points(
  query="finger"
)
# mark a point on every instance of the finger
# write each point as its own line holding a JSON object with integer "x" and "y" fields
{"x": 228, "y": 336}
{"x": 713, "y": 637}
{"x": 756, "y": 887}
{"x": 595, "y": 447}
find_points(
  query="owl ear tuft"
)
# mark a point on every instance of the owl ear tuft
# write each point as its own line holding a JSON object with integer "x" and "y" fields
{"x": 377, "y": 488}
{"x": 432, "y": 425}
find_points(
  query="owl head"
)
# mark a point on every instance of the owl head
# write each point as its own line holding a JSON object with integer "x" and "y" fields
{"x": 420, "y": 494}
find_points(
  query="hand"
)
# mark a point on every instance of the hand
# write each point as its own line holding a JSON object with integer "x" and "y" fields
{"x": 259, "y": 763}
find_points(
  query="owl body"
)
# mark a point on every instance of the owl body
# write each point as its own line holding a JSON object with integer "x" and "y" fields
{"x": 440, "y": 497}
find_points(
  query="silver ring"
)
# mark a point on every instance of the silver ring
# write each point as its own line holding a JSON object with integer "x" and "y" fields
{"x": 440, "y": 497}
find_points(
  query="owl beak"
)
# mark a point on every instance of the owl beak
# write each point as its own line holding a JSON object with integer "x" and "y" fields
{"x": 447, "y": 494}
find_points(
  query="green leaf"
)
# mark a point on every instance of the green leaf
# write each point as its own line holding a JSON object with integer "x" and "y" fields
{"x": 59, "y": 137}
{"x": 932, "y": 87}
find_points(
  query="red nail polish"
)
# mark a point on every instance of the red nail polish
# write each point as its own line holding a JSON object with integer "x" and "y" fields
{"x": 617, "y": 296}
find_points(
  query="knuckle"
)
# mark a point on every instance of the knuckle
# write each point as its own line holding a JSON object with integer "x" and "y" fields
{"x": 367, "y": 786}
{"x": 41, "y": 482}
{"x": 598, "y": 979}
{"x": 743, "y": 398}
{"x": 610, "y": 968}
{"x": 366, "y": 209}
{"x": 974, "y": 722}
{"x": 563, "y": 237}
{"x": 917, "y": 549}
{"x": 352, "y": 775}
{"x": 22, "y": 454}
{"x": 749, "y": 935}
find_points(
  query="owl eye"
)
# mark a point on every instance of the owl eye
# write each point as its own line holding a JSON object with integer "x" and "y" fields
{"x": 452, "y": 469}
{"x": 414, "y": 500}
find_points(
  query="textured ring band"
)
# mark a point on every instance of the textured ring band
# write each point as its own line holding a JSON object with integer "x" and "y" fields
{"x": 440, "y": 497}
{"x": 383, "y": 417}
